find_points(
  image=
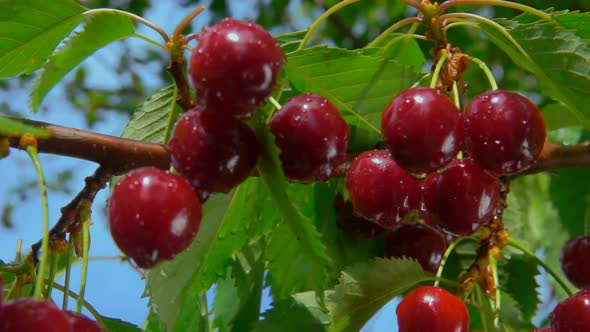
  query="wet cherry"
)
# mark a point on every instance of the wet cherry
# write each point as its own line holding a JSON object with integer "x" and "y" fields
{"x": 574, "y": 261}
{"x": 462, "y": 198}
{"x": 380, "y": 190}
{"x": 504, "y": 131}
{"x": 572, "y": 314}
{"x": 26, "y": 314}
{"x": 424, "y": 243}
{"x": 214, "y": 152}
{"x": 352, "y": 224}
{"x": 153, "y": 215}
{"x": 423, "y": 129}
{"x": 234, "y": 67}
{"x": 312, "y": 137}
{"x": 432, "y": 309}
{"x": 81, "y": 323}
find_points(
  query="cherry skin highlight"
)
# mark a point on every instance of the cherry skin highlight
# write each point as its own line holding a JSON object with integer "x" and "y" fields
{"x": 424, "y": 243}
{"x": 26, "y": 314}
{"x": 380, "y": 190}
{"x": 423, "y": 129}
{"x": 214, "y": 152}
{"x": 312, "y": 137}
{"x": 504, "y": 131}
{"x": 462, "y": 198}
{"x": 572, "y": 314}
{"x": 81, "y": 323}
{"x": 234, "y": 67}
{"x": 432, "y": 309}
{"x": 574, "y": 261}
{"x": 153, "y": 215}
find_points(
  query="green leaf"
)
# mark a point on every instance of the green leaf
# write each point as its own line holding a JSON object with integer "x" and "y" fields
{"x": 31, "y": 29}
{"x": 511, "y": 317}
{"x": 558, "y": 115}
{"x": 300, "y": 312}
{"x": 229, "y": 222}
{"x": 517, "y": 278}
{"x": 13, "y": 127}
{"x": 117, "y": 325}
{"x": 99, "y": 31}
{"x": 153, "y": 120}
{"x": 360, "y": 83}
{"x": 570, "y": 192}
{"x": 558, "y": 57}
{"x": 226, "y": 304}
{"x": 366, "y": 287}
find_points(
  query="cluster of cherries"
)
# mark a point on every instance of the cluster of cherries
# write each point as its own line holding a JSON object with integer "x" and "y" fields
{"x": 420, "y": 178}
{"x": 26, "y": 314}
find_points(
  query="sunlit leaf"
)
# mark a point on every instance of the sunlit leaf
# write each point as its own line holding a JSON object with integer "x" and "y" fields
{"x": 117, "y": 325}
{"x": 99, "y": 31}
{"x": 31, "y": 29}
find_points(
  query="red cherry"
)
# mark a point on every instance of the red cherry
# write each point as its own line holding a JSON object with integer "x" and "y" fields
{"x": 153, "y": 215}
{"x": 462, "y": 198}
{"x": 543, "y": 330}
{"x": 214, "y": 152}
{"x": 432, "y": 309}
{"x": 423, "y": 129}
{"x": 234, "y": 67}
{"x": 380, "y": 190}
{"x": 26, "y": 314}
{"x": 81, "y": 323}
{"x": 423, "y": 243}
{"x": 505, "y": 131}
{"x": 352, "y": 224}
{"x": 312, "y": 137}
{"x": 574, "y": 261}
{"x": 572, "y": 314}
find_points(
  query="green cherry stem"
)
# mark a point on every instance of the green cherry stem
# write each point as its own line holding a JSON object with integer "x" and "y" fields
{"x": 460, "y": 17}
{"x": 315, "y": 25}
{"x": 176, "y": 36}
{"x": 441, "y": 61}
{"x": 131, "y": 16}
{"x": 150, "y": 41}
{"x": 496, "y": 303}
{"x": 515, "y": 244}
{"x": 86, "y": 305}
{"x": 393, "y": 29}
{"x": 455, "y": 94}
{"x": 69, "y": 251}
{"x": 38, "y": 293}
{"x": 498, "y": 3}
{"x": 275, "y": 103}
{"x": 445, "y": 257}
{"x": 482, "y": 65}
{"x": 85, "y": 218}
{"x": 52, "y": 270}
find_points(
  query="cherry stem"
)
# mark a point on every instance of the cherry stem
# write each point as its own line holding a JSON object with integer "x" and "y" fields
{"x": 392, "y": 29}
{"x": 176, "y": 36}
{"x": 38, "y": 294}
{"x": 52, "y": 269}
{"x": 459, "y": 17}
{"x": 151, "y": 41}
{"x": 69, "y": 251}
{"x": 398, "y": 38}
{"x": 515, "y": 244}
{"x": 496, "y": 303}
{"x": 275, "y": 103}
{"x": 417, "y": 83}
{"x": 315, "y": 25}
{"x": 499, "y": 3}
{"x": 85, "y": 219}
{"x": 587, "y": 218}
{"x": 482, "y": 65}
{"x": 133, "y": 17}
{"x": 441, "y": 61}
{"x": 86, "y": 305}
{"x": 446, "y": 255}
{"x": 456, "y": 98}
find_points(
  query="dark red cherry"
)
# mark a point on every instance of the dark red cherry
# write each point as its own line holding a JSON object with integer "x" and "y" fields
{"x": 26, "y": 314}
{"x": 572, "y": 314}
{"x": 574, "y": 261}
{"x": 312, "y": 137}
{"x": 504, "y": 131}
{"x": 423, "y": 243}
{"x": 352, "y": 224}
{"x": 462, "y": 198}
{"x": 543, "y": 330}
{"x": 423, "y": 129}
{"x": 81, "y": 323}
{"x": 153, "y": 215}
{"x": 380, "y": 190}
{"x": 432, "y": 309}
{"x": 234, "y": 67}
{"x": 214, "y": 152}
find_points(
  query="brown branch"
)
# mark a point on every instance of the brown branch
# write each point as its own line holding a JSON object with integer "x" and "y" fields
{"x": 70, "y": 214}
{"x": 555, "y": 157}
{"x": 118, "y": 154}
